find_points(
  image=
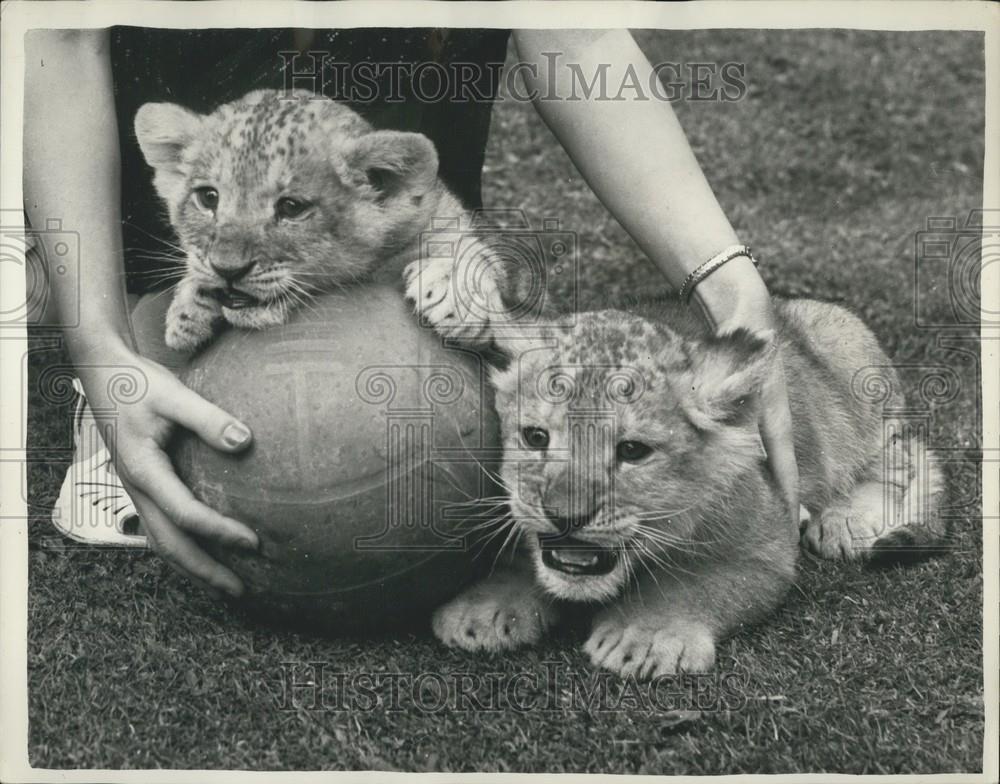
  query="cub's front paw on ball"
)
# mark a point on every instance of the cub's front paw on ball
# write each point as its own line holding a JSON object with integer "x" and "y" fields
{"x": 647, "y": 649}
{"x": 188, "y": 328}
{"x": 452, "y": 313}
{"x": 481, "y": 620}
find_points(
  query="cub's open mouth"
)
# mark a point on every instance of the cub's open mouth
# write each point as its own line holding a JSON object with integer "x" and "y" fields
{"x": 575, "y": 556}
{"x": 236, "y": 300}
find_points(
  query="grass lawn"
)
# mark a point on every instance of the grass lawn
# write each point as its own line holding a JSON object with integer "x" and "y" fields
{"x": 844, "y": 145}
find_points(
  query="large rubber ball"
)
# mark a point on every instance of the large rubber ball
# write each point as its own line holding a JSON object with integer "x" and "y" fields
{"x": 373, "y": 446}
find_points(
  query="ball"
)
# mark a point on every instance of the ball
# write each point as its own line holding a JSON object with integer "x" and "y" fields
{"x": 370, "y": 469}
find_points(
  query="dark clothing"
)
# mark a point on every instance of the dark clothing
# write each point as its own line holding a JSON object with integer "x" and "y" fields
{"x": 201, "y": 69}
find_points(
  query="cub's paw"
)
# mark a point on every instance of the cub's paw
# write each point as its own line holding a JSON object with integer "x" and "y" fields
{"x": 453, "y": 311}
{"x": 188, "y": 326}
{"x": 492, "y": 620}
{"x": 847, "y": 531}
{"x": 646, "y": 649}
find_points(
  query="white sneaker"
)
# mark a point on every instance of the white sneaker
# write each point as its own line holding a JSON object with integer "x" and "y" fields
{"x": 93, "y": 507}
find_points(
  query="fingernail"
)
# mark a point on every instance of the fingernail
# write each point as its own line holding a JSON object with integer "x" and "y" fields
{"x": 236, "y": 434}
{"x": 247, "y": 542}
{"x": 234, "y": 590}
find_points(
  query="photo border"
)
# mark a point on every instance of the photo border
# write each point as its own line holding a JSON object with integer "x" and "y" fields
{"x": 17, "y": 16}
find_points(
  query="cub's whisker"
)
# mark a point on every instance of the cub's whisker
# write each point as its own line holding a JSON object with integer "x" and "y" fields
{"x": 512, "y": 532}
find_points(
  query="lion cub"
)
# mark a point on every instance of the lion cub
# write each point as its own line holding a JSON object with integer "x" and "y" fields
{"x": 278, "y": 196}
{"x": 638, "y": 483}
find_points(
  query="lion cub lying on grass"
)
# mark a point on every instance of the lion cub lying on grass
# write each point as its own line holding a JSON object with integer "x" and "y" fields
{"x": 637, "y": 480}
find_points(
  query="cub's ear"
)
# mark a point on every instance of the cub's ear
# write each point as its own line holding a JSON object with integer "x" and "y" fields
{"x": 724, "y": 382}
{"x": 394, "y": 163}
{"x": 163, "y": 131}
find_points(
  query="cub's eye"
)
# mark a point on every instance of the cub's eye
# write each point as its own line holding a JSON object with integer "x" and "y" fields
{"x": 289, "y": 208}
{"x": 207, "y": 198}
{"x": 632, "y": 451}
{"x": 535, "y": 437}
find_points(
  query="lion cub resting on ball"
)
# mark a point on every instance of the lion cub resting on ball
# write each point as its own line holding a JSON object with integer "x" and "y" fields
{"x": 637, "y": 480}
{"x": 278, "y": 196}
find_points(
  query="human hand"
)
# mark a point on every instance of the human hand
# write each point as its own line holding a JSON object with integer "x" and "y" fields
{"x": 735, "y": 296}
{"x": 136, "y": 425}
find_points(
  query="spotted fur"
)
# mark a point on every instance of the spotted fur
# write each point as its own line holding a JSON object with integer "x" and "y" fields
{"x": 702, "y": 541}
{"x": 366, "y": 196}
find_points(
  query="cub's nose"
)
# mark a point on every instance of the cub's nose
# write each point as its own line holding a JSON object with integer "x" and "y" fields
{"x": 232, "y": 272}
{"x": 567, "y": 524}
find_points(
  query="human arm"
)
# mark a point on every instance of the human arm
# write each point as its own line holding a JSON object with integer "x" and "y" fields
{"x": 636, "y": 158}
{"x": 71, "y": 172}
